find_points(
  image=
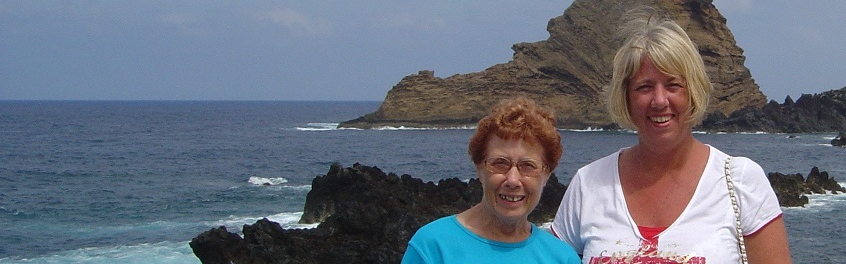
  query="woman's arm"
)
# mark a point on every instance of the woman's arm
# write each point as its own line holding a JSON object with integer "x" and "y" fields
{"x": 769, "y": 244}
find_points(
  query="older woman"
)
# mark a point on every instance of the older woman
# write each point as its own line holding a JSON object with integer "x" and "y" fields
{"x": 515, "y": 149}
{"x": 669, "y": 198}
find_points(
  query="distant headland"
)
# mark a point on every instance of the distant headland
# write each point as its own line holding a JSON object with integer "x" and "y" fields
{"x": 567, "y": 72}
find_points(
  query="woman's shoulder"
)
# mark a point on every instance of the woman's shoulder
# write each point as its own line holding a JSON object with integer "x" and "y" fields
{"x": 553, "y": 243}
{"x": 742, "y": 169}
{"x": 603, "y": 162}
{"x": 443, "y": 222}
{"x": 737, "y": 162}
{"x": 437, "y": 227}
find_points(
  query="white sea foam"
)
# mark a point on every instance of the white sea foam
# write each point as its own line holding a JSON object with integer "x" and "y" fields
{"x": 287, "y": 220}
{"x": 753, "y": 133}
{"x": 821, "y": 203}
{"x": 167, "y": 252}
{"x": 588, "y": 129}
{"x": 267, "y": 181}
{"x": 318, "y": 127}
{"x": 425, "y": 128}
{"x": 297, "y": 187}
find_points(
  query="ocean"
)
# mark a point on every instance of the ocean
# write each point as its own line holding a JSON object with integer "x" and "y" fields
{"x": 135, "y": 181}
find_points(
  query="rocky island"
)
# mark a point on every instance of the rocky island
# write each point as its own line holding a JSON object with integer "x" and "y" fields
{"x": 567, "y": 71}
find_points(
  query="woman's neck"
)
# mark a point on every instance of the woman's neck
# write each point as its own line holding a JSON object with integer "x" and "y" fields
{"x": 483, "y": 222}
{"x": 655, "y": 156}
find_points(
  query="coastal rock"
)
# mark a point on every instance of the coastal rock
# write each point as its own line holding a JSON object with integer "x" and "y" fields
{"x": 820, "y": 183}
{"x": 792, "y": 189}
{"x": 840, "y": 140}
{"x": 365, "y": 216}
{"x": 789, "y": 189}
{"x": 567, "y": 72}
{"x": 823, "y": 112}
{"x": 368, "y": 216}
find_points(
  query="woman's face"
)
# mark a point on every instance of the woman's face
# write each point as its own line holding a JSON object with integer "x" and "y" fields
{"x": 658, "y": 104}
{"x": 511, "y": 196}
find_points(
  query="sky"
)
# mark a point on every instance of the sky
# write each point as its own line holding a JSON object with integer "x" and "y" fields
{"x": 343, "y": 50}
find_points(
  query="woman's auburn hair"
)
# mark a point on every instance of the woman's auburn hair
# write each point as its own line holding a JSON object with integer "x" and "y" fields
{"x": 670, "y": 49}
{"x": 518, "y": 118}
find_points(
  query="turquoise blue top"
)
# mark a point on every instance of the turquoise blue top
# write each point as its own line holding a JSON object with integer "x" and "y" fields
{"x": 447, "y": 241}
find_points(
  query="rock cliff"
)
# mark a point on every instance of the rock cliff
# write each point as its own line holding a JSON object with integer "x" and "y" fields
{"x": 567, "y": 72}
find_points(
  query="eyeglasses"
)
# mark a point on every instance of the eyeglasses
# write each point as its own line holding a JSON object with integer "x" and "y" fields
{"x": 526, "y": 167}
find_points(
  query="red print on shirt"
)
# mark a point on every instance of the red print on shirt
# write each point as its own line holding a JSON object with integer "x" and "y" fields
{"x": 646, "y": 253}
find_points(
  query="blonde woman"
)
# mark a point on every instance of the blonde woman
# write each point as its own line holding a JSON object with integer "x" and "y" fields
{"x": 667, "y": 199}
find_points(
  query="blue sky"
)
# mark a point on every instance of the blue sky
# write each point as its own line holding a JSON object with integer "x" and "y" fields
{"x": 343, "y": 50}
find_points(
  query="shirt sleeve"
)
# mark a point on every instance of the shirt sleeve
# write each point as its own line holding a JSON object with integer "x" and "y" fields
{"x": 756, "y": 197}
{"x": 566, "y": 226}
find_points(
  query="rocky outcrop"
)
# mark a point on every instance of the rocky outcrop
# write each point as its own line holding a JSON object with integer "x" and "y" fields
{"x": 365, "y": 216}
{"x": 840, "y": 140}
{"x": 824, "y": 112}
{"x": 567, "y": 72}
{"x": 792, "y": 189}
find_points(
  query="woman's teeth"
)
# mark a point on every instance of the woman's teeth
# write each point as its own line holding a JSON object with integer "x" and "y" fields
{"x": 511, "y": 198}
{"x": 660, "y": 119}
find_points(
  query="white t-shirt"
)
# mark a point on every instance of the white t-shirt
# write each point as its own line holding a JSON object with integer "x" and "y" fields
{"x": 594, "y": 219}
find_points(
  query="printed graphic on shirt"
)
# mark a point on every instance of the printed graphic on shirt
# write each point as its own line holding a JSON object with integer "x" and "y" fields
{"x": 647, "y": 252}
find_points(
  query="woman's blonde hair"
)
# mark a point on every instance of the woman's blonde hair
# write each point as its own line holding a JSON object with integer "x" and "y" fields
{"x": 670, "y": 49}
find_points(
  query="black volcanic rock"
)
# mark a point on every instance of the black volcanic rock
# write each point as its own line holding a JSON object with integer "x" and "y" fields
{"x": 365, "y": 215}
{"x": 824, "y": 112}
{"x": 820, "y": 182}
{"x": 840, "y": 140}
{"x": 789, "y": 189}
{"x": 792, "y": 189}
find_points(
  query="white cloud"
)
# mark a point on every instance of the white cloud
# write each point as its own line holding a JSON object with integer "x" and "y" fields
{"x": 297, "y": 22}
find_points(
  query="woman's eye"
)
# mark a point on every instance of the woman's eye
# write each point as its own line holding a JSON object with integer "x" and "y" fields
{"x": 641, "y": 87}
{"x": 528, "y": 166}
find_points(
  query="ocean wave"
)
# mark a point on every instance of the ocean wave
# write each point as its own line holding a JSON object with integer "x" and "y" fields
{"x": 267, "y": 181}
{"x": 163, "y": 252}
{"x": 318, "y": 127}
{"x": 754, "y": 133}
{"x": 289, "y": 220}
{"x": 821, "y": 203}
{"x": 297, "y": 187}
{"x": 277, "y": 183}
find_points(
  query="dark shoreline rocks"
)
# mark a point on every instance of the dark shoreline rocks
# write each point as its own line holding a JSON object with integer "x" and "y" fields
{"x": 365, "y": 216}
{"x": 792, "y": 189}
{"x": 368, "y": 216}
{"x": 840, "y": 140}
{"x": 823, "y": 112}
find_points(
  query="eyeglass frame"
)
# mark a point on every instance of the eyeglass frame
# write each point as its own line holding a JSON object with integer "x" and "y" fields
{"x": 513, "y": 164}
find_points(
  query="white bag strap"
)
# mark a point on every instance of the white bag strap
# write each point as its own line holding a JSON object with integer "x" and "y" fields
{"x": 740, "y": 243}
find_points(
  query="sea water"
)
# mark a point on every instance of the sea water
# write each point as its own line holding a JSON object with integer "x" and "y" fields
{"x": 135, "y": 181}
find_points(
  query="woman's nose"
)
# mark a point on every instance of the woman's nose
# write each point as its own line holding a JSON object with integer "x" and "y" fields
{"x": 512, "y": 177}
{"x": 659, "y": 97}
